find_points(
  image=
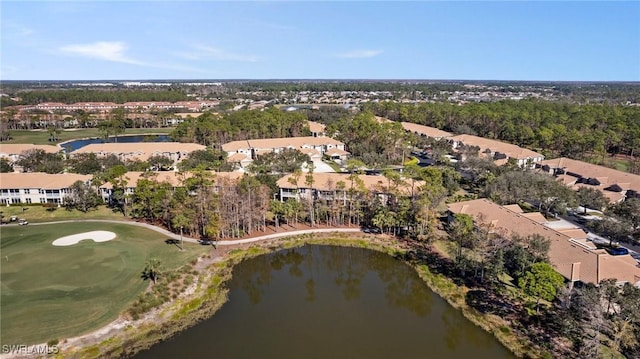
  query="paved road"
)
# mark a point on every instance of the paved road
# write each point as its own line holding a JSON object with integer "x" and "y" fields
{"x": 219, "y": 243}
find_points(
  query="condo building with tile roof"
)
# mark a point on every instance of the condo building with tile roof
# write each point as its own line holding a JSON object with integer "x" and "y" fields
{"x": 615, "y": 185}
{"x": 37, "y": 187}
{"x": 14, "y": 151}
{"x": 425, "y": 130}
{"x": 176, "y": 151}
{"x": 570, "y": 254}
{"x": 175, "y": 179}
{"x": 245, "y": 151}
{"x": 498, "y": 151}
{"x": 335, "y": 186}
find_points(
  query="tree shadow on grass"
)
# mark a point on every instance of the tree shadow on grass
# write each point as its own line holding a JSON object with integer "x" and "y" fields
{"x": 172, "y": 241}
{"x": 490, "y": 302}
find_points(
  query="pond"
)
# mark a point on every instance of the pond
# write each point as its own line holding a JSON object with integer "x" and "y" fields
{"x": 73, "y": 145}
{"x": 330, "y": 302}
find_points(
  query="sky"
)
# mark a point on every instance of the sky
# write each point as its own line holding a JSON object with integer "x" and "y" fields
{"x": 478, "y": 40}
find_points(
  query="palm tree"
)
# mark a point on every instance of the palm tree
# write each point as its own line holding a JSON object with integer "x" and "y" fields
{"x": 152, "y": 269}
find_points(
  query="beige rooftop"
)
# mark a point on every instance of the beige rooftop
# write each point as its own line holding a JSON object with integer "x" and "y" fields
{"x": 508, "y": 149}
{"x": 284, "y": 142}
{"x": 425, "y": 130}
{"x": 40, "y": 180}
{"x": 17, "y": 148}
{"x": 316, "y": 127}
{"x": 141, "y": 151}
{"x": 571, "y": 259}
{"x": 607, "y": 176}
{"x": 173, "y": 178}
{"x": 144, "y": 147}
{"x": 329, "y": 181}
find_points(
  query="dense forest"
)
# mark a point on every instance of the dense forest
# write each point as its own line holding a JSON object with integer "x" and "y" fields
{"x": 557, "y": 129}
{"x": 213, "y": 129}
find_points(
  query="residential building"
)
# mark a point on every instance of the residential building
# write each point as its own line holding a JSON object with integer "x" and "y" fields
{"x": 570, "y": 254}
{"x": 37, "y": 187}
{"x": 615, "y": 185}
{"x": 317, "y": 129}
{"x": 335, "y": 186}
{"x": 245, "y": 151}
{"x": 176, "y": 151}
{"x": 174, "y": 178}
{"x": 425, "y": 130}
{"x": 498, "y": 151}
{"x": 14, "y": 151}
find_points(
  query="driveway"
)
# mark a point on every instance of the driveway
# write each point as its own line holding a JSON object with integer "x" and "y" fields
{"x": 320, "y": 167}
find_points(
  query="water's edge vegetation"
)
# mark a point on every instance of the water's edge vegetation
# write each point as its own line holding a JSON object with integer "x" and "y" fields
{"x": 211, "y": 293}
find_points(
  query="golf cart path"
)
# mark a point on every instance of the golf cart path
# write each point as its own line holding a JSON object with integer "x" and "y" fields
{"x": 218, "y": 243}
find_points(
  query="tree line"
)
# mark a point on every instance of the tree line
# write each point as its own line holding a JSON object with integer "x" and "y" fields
{"x": 70, "y": 96}
{"x": 555, "y": 128}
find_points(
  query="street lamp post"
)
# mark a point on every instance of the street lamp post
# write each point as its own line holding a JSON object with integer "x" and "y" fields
{"x": 181, "y": 242}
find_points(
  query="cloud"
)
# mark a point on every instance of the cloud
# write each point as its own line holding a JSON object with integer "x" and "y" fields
{"x": 360, "y": 54}
{"x": 103, "y": 50}
{"x": 204, "y": 52}
{"x": 114, "y": 51}
{"x": 14, "y": 30}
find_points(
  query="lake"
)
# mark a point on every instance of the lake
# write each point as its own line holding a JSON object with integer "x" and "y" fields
{"x": 330, "y": 302}
{"x": 75, "y": 144}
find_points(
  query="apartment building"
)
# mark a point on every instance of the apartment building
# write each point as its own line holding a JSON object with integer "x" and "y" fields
{"x": 14, "y": 151}
{"x": 426, "y": 131}
{"x": 176, "y": 151}
{"x": 570, "y": 254}
{"x": 498, "y": 151}
{"x": 37, "y": 187}
{"x": 335, "y": 186}
{"x": 615, "y": 185}
{"x": 175, "y": 179}
{"x": 245, "y": 151}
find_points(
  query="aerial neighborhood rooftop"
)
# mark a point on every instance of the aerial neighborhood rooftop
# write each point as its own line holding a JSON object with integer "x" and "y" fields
{"x": 570, "y": 253}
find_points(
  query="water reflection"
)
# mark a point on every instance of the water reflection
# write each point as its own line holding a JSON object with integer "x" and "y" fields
{"x": 73, "y": 145}
{"x": 331, "y": 302}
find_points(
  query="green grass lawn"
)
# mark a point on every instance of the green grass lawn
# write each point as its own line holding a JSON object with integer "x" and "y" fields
{"x": 37, "y": 213}
{"x": 50, "y": 292}
{"x": 41, "y": 137}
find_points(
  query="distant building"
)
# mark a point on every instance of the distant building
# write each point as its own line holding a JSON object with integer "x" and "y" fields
{"x": 500, "y": 152}
{"x": 615, "y": 185}
{"x": 317, "y": 129}
{"x": 176, "y": 151}
{"x": 245, "y": 151}
{"x": 37, "y": 187}
{"x": 14, "y": 151}
{"x": 425, "y": 130}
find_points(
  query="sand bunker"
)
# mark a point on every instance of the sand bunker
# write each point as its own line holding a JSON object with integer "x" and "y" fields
{"x": 96, "y": 236}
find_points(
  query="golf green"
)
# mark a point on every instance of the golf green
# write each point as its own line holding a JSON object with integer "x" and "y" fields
{"x": 49, "y": 292}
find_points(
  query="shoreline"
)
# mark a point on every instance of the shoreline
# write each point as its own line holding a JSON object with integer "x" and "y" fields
{"x": 202, "y": 299}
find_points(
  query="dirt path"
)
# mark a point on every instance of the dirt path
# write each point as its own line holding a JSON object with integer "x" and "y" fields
{"x": 249, "y": 239}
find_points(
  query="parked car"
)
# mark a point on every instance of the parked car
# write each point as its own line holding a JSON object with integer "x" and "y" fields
{"x": 22, "y": 222}
{"x": 373, "y": 230}
{"x": 617, "y": 251}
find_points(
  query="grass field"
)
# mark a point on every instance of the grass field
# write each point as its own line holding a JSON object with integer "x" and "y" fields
{"x": 41, "y": 137}
{"x": 37, "y": 213}
{"x": 52, "y": 292}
